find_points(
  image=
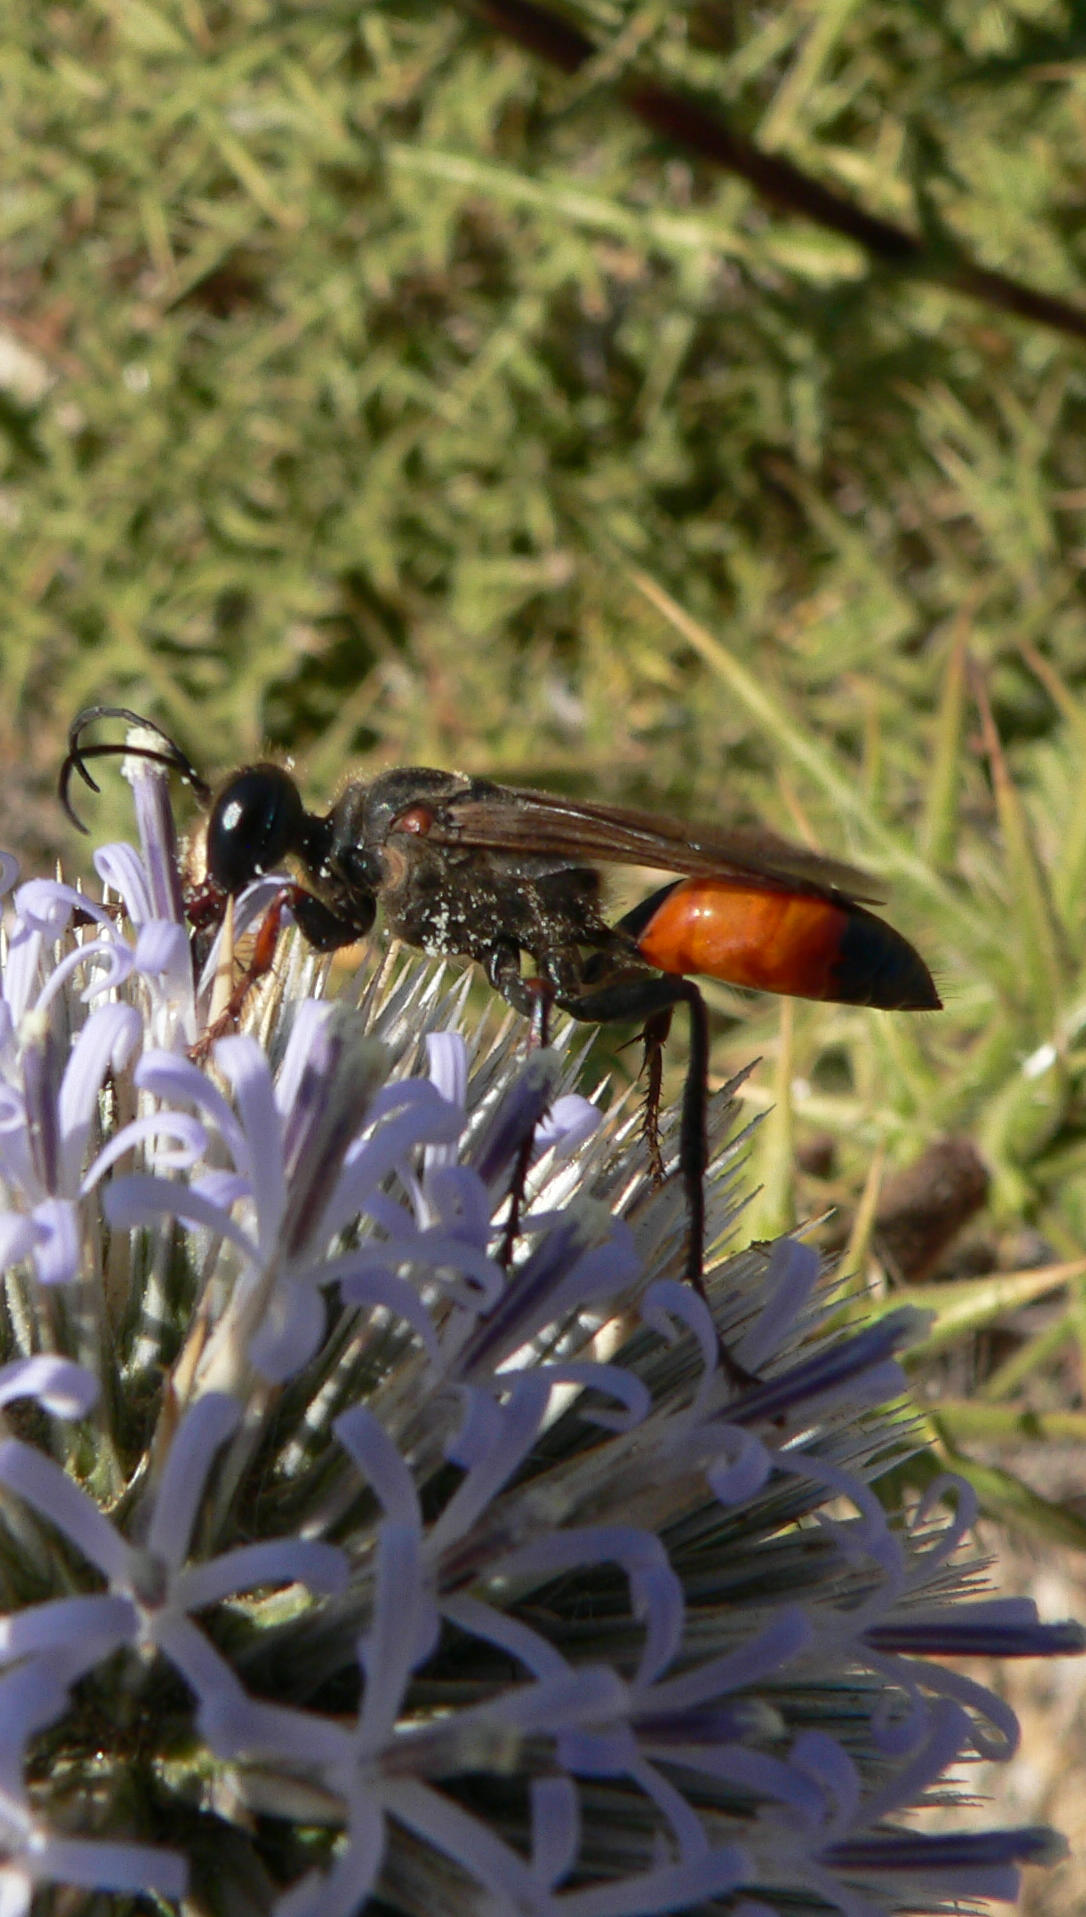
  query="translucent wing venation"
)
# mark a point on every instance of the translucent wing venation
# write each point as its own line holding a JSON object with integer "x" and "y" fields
{"x": 544, "y": 823}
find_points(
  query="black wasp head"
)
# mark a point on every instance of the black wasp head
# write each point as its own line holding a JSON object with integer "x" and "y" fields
{"x": 256, "y": 820}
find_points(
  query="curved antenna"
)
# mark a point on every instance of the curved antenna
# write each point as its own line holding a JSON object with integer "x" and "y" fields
{"x": 78, "y": 754}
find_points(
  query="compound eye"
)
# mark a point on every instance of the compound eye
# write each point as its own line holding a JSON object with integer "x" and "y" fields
{"x": 255, "y": 821}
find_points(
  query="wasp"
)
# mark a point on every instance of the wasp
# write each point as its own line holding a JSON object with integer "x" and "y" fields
{"x": 510, "y": 878}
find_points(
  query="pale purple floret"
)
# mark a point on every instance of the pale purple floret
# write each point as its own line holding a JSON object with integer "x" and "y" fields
{"x": 48, "y": 1107}
{"x": 449, "y": 1554}
{"x": 313, "y": 1149}
{"x": 152, "y": 1588}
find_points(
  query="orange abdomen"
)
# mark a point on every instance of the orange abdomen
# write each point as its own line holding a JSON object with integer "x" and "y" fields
{"x": 796, "y": 943}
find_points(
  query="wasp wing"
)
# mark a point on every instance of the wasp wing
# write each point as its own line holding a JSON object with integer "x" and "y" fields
{"x": 513, "y": 819}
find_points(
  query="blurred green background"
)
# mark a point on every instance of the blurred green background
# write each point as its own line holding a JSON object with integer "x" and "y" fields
{"x": 372, "y": 393}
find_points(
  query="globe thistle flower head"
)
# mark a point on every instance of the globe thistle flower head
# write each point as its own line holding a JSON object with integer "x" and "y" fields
{"x": 358, "y": 1553}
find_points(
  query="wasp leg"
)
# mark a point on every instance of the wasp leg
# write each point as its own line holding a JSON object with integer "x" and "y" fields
{"x": 657, "y": 1026}
{"x": 654, "y": 999}
{"x": 535, "y": 998}
{"x": 314, "y": 919}
{"x": 654, "y": 1034}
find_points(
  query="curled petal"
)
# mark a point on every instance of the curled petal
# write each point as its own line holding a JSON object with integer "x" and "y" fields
{"x": 178, "y": 1081}
{"x": 655, "y": 1589}
{"x": 947, "y": 1736}
{"x": 141, "y": 1199}
{"x": 322, "y": 1568}
{"x": 121, "y": 867}
{"x": 741, "y": 1475}
{"x": 63, "y": 1388}
{"x": 509, "y": 1634}
{"x": 56, "y": 1251}
{"x": 447, "y": 1059}
{"x": 823, "y": 1761}
{"x": 32, "y": 1696}
{"x": 766, "y": 1656}
{"x": 687, "y": 1829}
{"x": 107, "y": 1042}
{"x": 343, "y": 1890}
{"x": 369, "y": 1288}
{"x": 468, "y": 1275}
{"x": 190, "y": 1143}
{"x": 466, "y": 1839}
{"x": 789, "y": 1282}
{"x": 457, "y": 1201}
{"x": 387, "y": 1150}
{"x": 490, "y": 1462}
{"x": 667, "y": 1301}
{"x": 162, "y": 953}
{"x": 630, "y": 1393}
{"x": 556, "y": 1828}
{"x": 402, "y": 1633}
{"x": 289, "y": 1332}
{"x": 993, "y": 1726}
{"x": 17, "y": 1237}
{"x": 565, "y": 1126}
{"x": 55, "y": 1497}
{"x": 380, "y": 1462}
{"x": 247, "y": 1071}
{"x": 47, "y": 905}
{"x": 97, "y": 1624}
{"x": 110, "y": 964}
{"x": 202, "y": 1433}
{"x": 97, "y": 1864}
{"x": 939, "y": 1542}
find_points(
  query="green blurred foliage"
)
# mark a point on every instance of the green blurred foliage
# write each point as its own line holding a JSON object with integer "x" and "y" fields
{"x": 370, "y": 392}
